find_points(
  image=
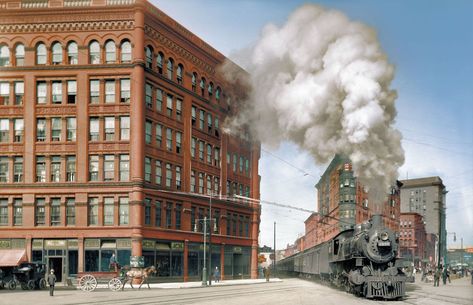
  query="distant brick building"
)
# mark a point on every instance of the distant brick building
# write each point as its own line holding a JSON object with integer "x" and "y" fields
{"x": 343, "y": 202}
{"x": 412, "y": 238}
{"x": 111, "y": 141}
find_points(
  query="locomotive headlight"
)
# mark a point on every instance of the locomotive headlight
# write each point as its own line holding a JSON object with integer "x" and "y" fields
{"x": 384, "y": 236}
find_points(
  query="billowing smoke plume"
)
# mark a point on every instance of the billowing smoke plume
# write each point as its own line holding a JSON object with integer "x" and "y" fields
{"x": 323, "y": 82}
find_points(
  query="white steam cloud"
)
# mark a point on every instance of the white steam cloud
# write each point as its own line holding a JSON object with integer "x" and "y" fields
{"x": 323, "y": 82}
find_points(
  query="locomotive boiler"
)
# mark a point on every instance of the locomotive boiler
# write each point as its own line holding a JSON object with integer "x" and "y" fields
{"x": 361, "y": 260}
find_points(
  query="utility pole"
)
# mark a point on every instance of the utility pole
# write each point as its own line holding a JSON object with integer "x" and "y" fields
{"x": 210, "y": 239}
{"x": 274, "y": 248}
{"x": 204, "y": 271}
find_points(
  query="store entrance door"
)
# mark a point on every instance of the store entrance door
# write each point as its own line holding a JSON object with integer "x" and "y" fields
{"x": 56, "y": 264}
{"x": 237, "y": 265}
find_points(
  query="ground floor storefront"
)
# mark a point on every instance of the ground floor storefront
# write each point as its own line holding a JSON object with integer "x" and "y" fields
{"x": 174, "y": 260}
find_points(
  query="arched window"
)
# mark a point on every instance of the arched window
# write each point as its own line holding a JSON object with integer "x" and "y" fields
{"x": 179, "y": 71}
{"x": 217, "y": 93}
{"x": 126, "y": 51}
{"x": 159, "y": 62}
{"x": 110, "y": 52}
{"x": 4, "y": 56}
{"x": 72, "y": 53}
{"x": 202, "y": 86}
{"x": 41, "y": 54}
{"x": 94, "y": 52}
{"x": 149, "y": 57}
{"x": 20, "y": 54}
{"x": 170, "y": 67}
{"x": 210, "y": 89}
{"x": 194, "y": 81}
{"x": 57, "y": 53}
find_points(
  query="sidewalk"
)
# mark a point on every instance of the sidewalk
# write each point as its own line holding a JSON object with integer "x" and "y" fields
{"x": 458, "y": 287}
{"x": 195, "y": 284}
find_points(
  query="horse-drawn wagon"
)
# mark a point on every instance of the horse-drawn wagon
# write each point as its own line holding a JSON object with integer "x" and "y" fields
{"x": 115, "y": 280}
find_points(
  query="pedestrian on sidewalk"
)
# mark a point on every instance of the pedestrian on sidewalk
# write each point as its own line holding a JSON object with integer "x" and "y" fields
{"x": 51, "y": 282}
{"x": 448, "y": 275}
{"x": 437, "y": 276}
{"x": 267, "y": 273}
{"x": 217, "y": 275}
{"x": 444, "y": 276}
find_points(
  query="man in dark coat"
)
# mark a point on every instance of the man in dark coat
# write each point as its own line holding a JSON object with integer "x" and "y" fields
{"x": 51, "y": 282}
{"x": 437, "y": 274}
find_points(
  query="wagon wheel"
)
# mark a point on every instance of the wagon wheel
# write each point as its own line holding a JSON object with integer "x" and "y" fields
{"x": 88, "y": 283}
{"x": 30, "y": 285}
{"x": 12, "y": 285}
{"x": 115, "y": 284}
{"x": 24, "y": 286}
{"x": 42, "y": 284}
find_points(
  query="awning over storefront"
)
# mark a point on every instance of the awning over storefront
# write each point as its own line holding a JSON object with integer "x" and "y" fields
{"x": 12, "y": 257}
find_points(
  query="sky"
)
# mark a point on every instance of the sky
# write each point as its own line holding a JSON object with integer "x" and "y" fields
{"x": 430, "y": 42}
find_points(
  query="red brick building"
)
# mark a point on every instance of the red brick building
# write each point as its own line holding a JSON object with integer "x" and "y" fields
{"x": 412, "y": 238}
{"x": 111, "y": 140}
{"x": 343, "y": 202}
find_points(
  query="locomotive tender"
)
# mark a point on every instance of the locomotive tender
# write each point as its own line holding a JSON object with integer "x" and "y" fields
{"x": 361, "y": 260}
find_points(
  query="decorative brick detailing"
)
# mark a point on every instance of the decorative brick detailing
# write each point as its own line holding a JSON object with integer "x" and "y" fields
{"x": 179, "y": 50}
{"x": 67, "y": 26}
{"x": 34, "y": 3}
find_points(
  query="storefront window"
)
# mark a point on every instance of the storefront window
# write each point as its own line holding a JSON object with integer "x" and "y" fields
{"x": 193, "y": 260}
{"x": 123, "y": 257}
{"x": 177, "y": 264}
{"x": 162, "y": 263}
{"x": 73, "y": 261}
{"x": 149, "y": 258}
{"x": 105, "y": 261}
{"x": 91, "y": 260}
{"x": 37, "y": 255}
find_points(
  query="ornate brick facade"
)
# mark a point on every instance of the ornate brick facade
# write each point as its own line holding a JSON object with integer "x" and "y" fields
{"x": 111, "y": 141}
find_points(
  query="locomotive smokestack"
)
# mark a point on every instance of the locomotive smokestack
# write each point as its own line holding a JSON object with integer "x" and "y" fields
{"x": 377, "y": 220}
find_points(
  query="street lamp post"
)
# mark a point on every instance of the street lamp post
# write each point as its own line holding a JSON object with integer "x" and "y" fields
{"x": 210, "y": 240}
{"x": 204, "y": 270}
{"x": 274, "y": 249}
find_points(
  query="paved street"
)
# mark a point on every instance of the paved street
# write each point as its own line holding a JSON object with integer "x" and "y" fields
{"x": 287, "y": 291}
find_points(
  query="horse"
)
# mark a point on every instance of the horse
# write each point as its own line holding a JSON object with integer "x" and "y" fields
{"x": 142, "y": 274}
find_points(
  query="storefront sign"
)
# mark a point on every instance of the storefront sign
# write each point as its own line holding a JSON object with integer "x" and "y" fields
{"x": 124, "y": 243}
{"x": 163, "y": 247}
{"x": 37, "y": 244}
{"x": 236, "y": 249}
{"x": 148, "y": 244}
{"x": 137, "y": 261}
{"x": 17, "y": 243}
{"x": 92, "y": 243}
{"x": 5, "y": 244}
{"x": 72, "y": 244}
{"x": 55, "y": 243}
{"x": 177, "y": 246}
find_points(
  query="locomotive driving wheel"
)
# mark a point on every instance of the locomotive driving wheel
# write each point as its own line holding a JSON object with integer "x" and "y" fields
{"x": 88, "y": 283}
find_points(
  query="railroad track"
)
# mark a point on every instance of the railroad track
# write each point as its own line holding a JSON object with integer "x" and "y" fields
{"x": 187, "y": 296}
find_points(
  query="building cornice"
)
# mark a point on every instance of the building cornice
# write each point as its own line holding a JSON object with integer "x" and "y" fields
{"x": 51, "y": 26}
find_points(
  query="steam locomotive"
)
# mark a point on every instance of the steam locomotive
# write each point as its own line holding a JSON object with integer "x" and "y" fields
{"x": 361, "y": 260}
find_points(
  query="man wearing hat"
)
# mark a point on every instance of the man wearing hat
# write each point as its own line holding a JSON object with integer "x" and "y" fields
{"x": 51, "y": 281}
